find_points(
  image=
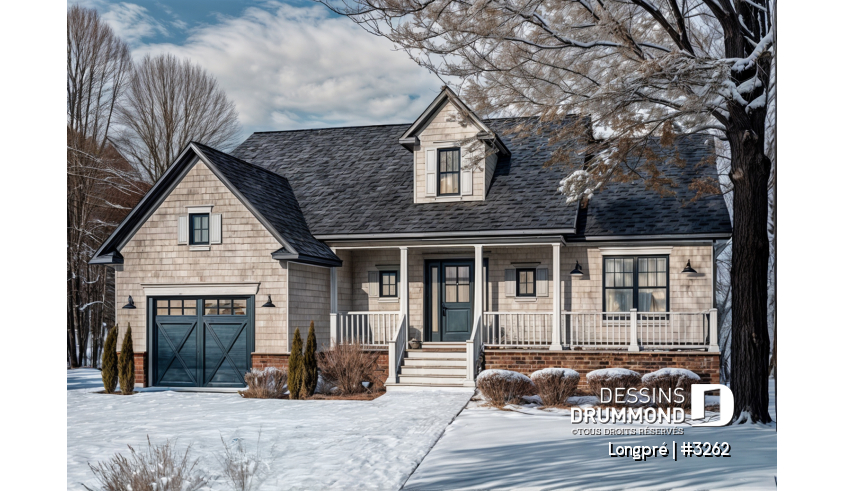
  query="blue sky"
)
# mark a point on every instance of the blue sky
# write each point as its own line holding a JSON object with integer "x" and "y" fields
{"x": 286, "y": 65}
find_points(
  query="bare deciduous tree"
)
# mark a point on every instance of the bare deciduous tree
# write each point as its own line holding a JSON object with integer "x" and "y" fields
{"x": 169, "y": 103}
{"x": 101, "y": 186}
{"x": 640, "y": 70}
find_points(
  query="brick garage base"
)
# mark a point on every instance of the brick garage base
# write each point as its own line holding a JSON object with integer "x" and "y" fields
{"x": 704, "y": 364}
{"x": 261, "y": 361}
{"x": 140, "y": 369}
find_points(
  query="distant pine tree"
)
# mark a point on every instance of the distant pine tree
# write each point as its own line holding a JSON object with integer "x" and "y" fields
{"x": 110, "y": 361}
{"x": 309, "y": 365}
{"x": 295, "y": 366}
{"x": 126, "y": 365}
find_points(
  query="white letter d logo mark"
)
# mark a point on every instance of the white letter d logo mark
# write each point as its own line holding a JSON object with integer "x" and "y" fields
{"x": 726, "y": 403}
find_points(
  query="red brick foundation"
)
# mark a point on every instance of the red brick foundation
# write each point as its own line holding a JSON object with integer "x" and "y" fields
{"x": 261, "y": 361}
{"x": 140, "y": 360}
{"x": 704, "y": 364}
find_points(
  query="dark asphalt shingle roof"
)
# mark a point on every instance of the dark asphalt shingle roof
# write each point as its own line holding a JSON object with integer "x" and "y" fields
{"x": 272, "y": 196}
{"x": 631, "y": 209}
{"x": 358, "y": 180}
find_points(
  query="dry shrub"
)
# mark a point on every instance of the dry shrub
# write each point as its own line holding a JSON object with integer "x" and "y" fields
{"x": 555, "y": 385}
{"x": 502, "y": 387}
{"x": 264, "y": 384}
{"x": 666, "y": 380}
{"x": 346, "y": 366}
{"x": 613, "y": 378}
{"x": 242, "y": 470}
{"x": 157, "y": 469}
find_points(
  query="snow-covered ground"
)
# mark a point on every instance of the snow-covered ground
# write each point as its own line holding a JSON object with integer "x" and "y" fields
{"x": 485, "y": 448}
{"x": 315, "y": 444}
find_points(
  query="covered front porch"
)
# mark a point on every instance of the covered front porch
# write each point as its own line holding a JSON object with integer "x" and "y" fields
{"x": 520, "y": 296}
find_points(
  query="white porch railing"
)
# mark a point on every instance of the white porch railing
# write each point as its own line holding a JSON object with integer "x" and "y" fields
{"x": 475, "y": 346}
{"x": 517, "y": 329}
{"x": 632, "y": 330}
{"x": 396, "y": 351}
{"x": 367, "y": 328}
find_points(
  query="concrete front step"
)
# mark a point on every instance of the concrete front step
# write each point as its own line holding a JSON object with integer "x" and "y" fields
{"x": 433, "y": 362}
{"x": 418, "y": 353}
{"x": 433, "y": 371}
{"x": 469, "y": 387}
{"x": 432, "y": 380}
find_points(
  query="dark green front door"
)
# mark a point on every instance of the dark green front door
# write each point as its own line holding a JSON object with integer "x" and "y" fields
{"x": 201, "y": 341}
{"x": 450, "y": 300}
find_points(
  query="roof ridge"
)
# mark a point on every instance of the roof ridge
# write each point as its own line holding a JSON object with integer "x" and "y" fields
{"x": 372, "y": 126}
{"x": 243, "y": 161}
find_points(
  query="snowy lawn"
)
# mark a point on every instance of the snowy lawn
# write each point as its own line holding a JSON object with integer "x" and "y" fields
{"x": 315, "y": 444}
{"x": 487, "y": 448}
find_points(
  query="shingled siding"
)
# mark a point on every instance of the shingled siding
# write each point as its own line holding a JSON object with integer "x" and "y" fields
{"x": 687, "y": 293}
{"x": 439, "y": 129}
{"x": 153, "y": 256}
{"x": 309, "y": 300}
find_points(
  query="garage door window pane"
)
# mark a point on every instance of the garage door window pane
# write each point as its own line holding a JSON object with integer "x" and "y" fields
{"x": 161, "y": 307}
{"x": 239, "y": 306}
{"x": 225, "y": 307}
{"x": 211, "y": 307}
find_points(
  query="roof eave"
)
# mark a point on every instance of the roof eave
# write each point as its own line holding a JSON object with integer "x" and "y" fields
{"x": 283, "y": 255}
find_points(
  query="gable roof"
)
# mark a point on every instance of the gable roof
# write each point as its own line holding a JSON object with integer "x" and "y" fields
{"x": 266, "y": 194}
{"x": 409, "y": 137}
{"x": 357, "y": 182}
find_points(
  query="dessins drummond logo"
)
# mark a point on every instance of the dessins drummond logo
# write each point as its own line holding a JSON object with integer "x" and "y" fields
{"x": 655, "y": 415}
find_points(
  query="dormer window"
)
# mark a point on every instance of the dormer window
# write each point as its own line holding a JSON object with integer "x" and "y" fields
{"x": 449, "y": 171}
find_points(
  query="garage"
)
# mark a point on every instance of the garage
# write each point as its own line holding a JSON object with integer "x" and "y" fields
{"x": 201, "y": 341}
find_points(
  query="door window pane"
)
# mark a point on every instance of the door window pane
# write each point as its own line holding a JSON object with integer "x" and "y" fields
{"x": 161, "y": 307}
{"x": 210, "y": 307}
{"x": 435, "y": 298}
{"x": 239, "y": 306}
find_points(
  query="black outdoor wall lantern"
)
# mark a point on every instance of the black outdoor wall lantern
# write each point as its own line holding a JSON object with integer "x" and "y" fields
{"x": 577, "y": 270}
{"x": 269, "y": 302}
{"x": 688, "y": 269}
{"x": 131, "y": 304}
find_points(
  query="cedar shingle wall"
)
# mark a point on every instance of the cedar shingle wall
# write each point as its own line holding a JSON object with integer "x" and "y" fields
{"x": 439, "y": 129}
{"x": 309, "y": 300}
{"x": 153, "y": 256}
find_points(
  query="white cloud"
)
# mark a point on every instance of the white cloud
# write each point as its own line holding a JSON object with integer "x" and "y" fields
{"x": 130, "y": 21}
{"x": 298, "y": 67}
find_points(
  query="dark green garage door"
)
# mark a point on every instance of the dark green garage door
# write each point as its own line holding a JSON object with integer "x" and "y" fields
{"x": 201, "y": 341}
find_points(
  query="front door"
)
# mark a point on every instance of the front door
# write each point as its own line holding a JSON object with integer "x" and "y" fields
{"x": 450, "y": 287}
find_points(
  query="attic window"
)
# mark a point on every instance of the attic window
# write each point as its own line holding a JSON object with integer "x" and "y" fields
{"x": 199, "y": 229}
{"x": 449, "y": 171}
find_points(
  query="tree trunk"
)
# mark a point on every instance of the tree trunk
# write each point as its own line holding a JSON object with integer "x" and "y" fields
{"x": 750, "y": 169}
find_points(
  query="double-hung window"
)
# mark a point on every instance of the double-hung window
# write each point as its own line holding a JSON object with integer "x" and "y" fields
{"x": 449, "y": 171}
{"x": 526, "y": 283}
{"x": 199, "y": 227}
{"x": 387, "y": 284}
{"x": 640, "y": 283}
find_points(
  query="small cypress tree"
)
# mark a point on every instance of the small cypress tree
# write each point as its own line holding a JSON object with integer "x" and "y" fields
{"x": 309, "y": 364}
{"x": 295, "y": 366}
{"x": 110, "y": 361}
{"x": 126, "y": 365}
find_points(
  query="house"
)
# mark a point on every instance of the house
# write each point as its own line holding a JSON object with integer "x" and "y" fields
{"x": 383, "y": 234}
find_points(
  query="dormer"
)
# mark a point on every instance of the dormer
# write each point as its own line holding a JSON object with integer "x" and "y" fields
{"x": 455, "y": 152}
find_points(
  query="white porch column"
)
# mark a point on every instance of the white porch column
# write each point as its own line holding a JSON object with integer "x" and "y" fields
{"x": 479, "y": 284}
{"x": 556, "y": 277}
{"x": 403, "y": 289}
{"x": 714, "y": 331}
{"x": 633, "y": 345}
{"x": 333, "y": 312}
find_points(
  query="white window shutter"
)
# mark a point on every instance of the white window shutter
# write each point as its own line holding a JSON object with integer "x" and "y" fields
{"x": 466, "y": 182}
{"x": 372, "y": 276}
{"x": 183, "y": 229}
{"x": 431, "y": 172}
{"x": 543, "y": 282}
{"x": 510, "y": 282}
{"x": 215, "y": 228}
